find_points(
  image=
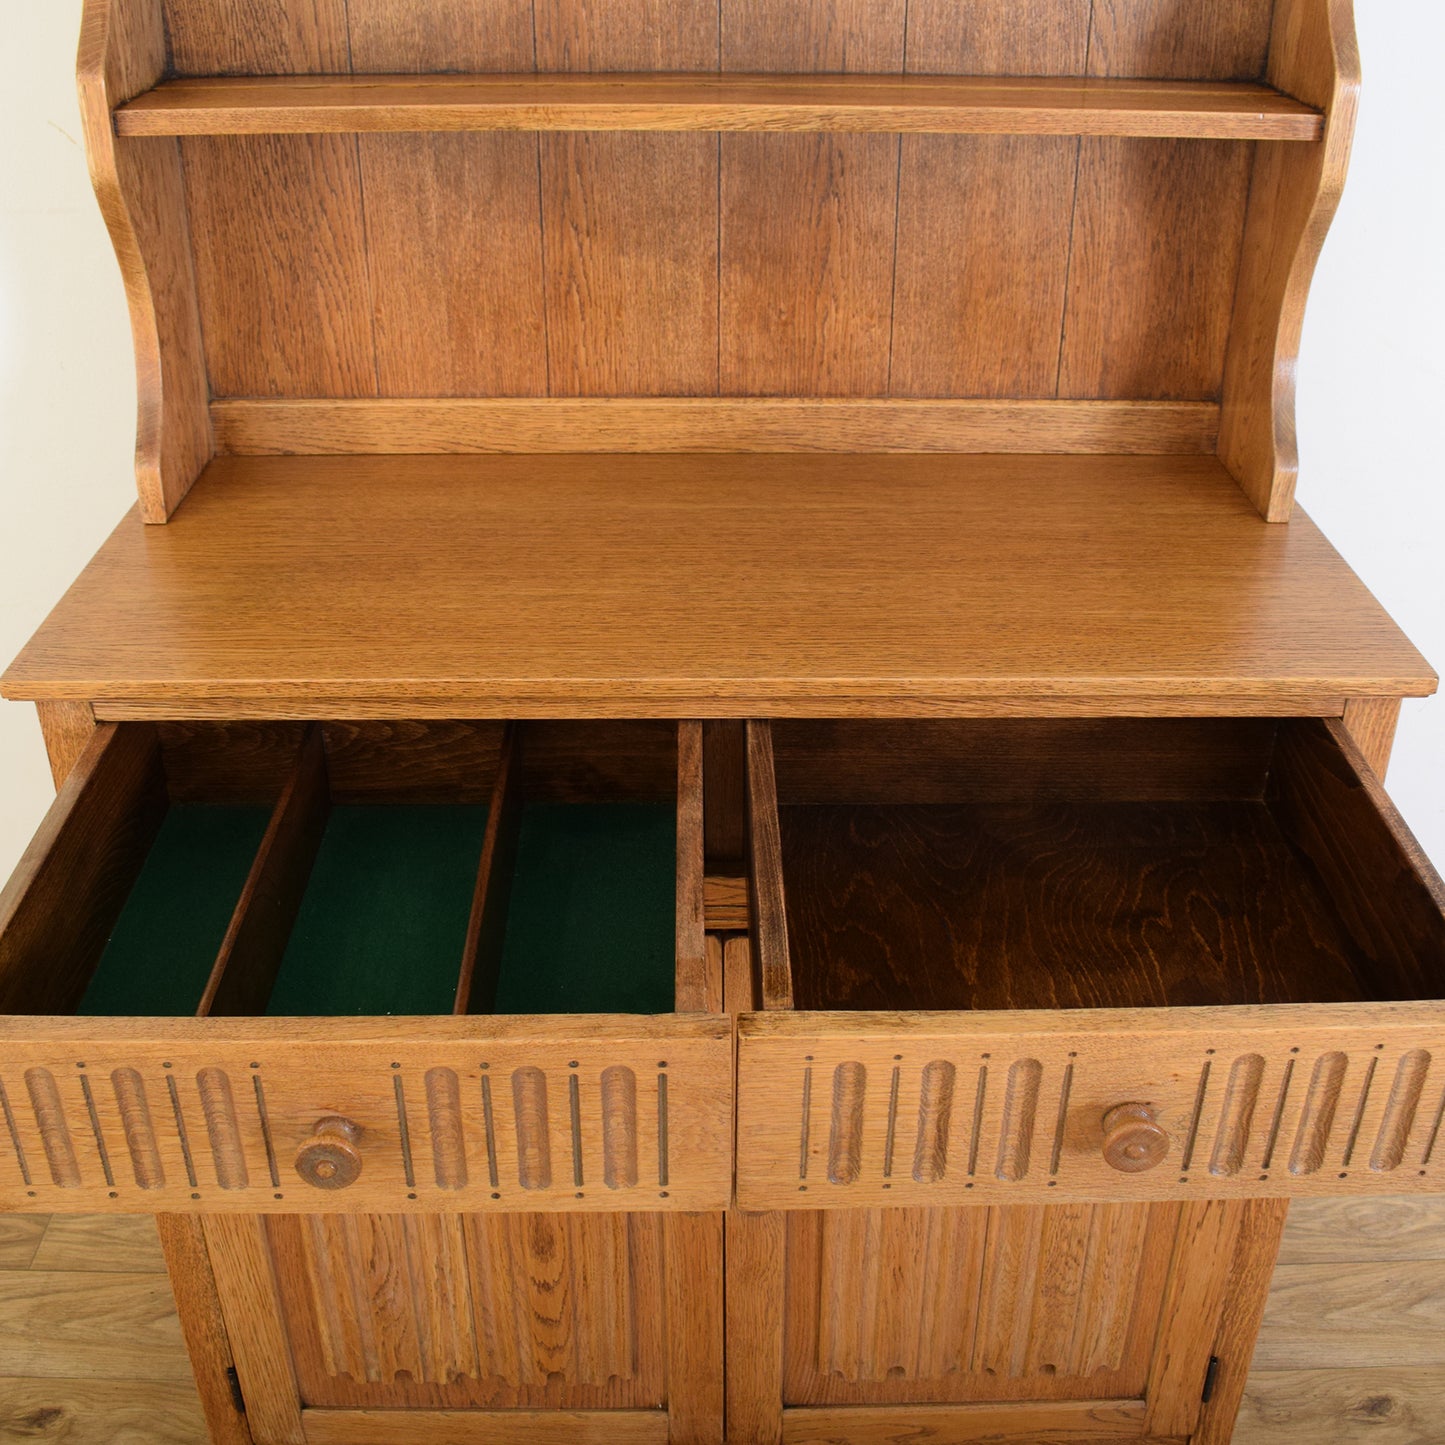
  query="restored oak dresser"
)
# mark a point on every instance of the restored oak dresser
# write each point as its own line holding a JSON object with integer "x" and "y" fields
{"x": 714, "y": 792}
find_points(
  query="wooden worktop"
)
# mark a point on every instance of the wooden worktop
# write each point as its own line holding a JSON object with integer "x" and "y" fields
{"x": 717, "y": 585}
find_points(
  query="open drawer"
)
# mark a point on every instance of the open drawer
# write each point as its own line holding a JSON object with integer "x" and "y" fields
{"x": 369, "y": 966}
{"x": 1088, "y": 960}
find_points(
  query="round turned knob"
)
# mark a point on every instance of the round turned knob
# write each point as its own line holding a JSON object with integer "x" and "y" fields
{"x": 1133, "y": 1139}
{"x": 329, "y": 1159}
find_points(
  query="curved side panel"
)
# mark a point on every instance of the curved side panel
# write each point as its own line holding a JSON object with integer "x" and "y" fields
{"x": 1295, "y": 192}
{"x": 138, "y": 184}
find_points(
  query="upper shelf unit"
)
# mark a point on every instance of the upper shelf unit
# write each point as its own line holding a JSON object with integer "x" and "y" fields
{"x": 977, "y": 105}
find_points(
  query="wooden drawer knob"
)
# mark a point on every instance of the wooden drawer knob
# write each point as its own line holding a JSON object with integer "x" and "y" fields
{"x": 1133, "y": 1139}
{"x": 329, "y": 1159}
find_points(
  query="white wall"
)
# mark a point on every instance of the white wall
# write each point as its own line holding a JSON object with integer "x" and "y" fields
{"x": 1371, "y": 376}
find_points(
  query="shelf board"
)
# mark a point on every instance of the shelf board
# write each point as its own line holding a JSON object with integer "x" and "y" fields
{"x": 981, "y": 105}
{"x": 720, "y": 585}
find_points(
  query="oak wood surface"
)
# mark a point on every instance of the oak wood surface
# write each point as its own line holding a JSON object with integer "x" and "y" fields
{"x": 1372, "y": 721}
{"x": 1313, "y": 54}
{"x": 691, "y": 924}
{"x": 718, "y": 424}
{"x": 531, "y": 586}
{"x": 139, "y": 186}
{"x": 1070, "y": 1423}
{"x": 1003, "y": 105}
{"x": 66, "y": 728}
{"x": 481, "y": 1427}
{"x": 1389, "y": 1405}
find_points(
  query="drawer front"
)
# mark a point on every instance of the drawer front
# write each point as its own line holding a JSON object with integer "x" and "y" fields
{"x": 847, "y": 1110}
{"x": 479, "y": 1114}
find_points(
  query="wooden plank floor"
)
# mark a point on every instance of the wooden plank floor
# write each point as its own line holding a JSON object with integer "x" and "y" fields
{"x": 1352, "y": 1351}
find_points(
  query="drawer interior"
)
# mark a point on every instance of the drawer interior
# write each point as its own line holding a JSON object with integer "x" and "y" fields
{"x": 1082, "y": 864}
{"x": 355, "y": 868}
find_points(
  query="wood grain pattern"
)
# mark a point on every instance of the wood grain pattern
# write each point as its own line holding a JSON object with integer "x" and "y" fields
{"x": 1153, "y": 320}
{"x": 1008, "y": 1424}
{"x": 103, "y": 1412}
{"x": 1293, "y": 198}
{"x": 1372, "y": 721}
{"x": 692, "y": 969}
{"x": 396, "y": 35}
{"x": 69, "y": 886}
{"x": 123, "y": 51}
{"x": 257, "y": 37}
{"x": 1055, "y": 906}
{"x": 219, "y": 1152}
{"x": 1209, "y": 39}
{"x": 1349, "y": 1316}
{"x": 969, "y": 104}
{"x": 825, "y": 35}
{"x": 1176, "y": 593}
{"x": 626, "y": 35}
{"x": 999, "y": 37}
{"x": 255, "y": 943}
{"x": 1363, "y": 1230}
{"x": 756, "y": 1275}
{"x": 198, "y": 1306}
{"x": 1385, "y": 1406}
{"x": 481, "y": 1427}
{"x": 1256, "y": 1248}
{"x": 481, "y": 961}
{"x": 113, "y": 1244}
{"x": 719, "y": 424}
{"x": 66, "y": 728}
{"x": 695, "y": 1327}
{"x": 1090, "y": 1061}
{"x": 766, "y": 889}
{"x": 630, "y": 263}
{"x": 454, "y": 257}
{"x": 282, "y": 281}
{"x": 806, "y": 272}
{"x": 983, "y": 255}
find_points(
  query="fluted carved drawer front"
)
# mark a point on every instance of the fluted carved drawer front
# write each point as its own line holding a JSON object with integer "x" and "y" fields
{"x": 1113, "y": 959}
{"x": 876, "y": 1109}
{"x": 352, "y": 966}
{"x": 570, "y": 1113}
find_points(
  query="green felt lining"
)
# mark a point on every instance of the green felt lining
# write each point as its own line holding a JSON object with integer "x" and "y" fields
{"x": 165, "y": 941}
{"x": 383, "y": 922}
{"x": 591, "y": 924}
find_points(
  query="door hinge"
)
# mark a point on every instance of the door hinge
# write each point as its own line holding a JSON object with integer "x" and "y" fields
{"x": 1211, "y": 1376}
{"x": 234, "y": 1380}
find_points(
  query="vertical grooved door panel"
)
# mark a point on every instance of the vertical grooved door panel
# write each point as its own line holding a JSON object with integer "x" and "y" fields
{"x": 281, "y": 272}
{"x": 807, "y": 263}
{"x": 1158, "y": 227}
{"x": 998, "y": 37}
{"x": 983, "y": 256}
{"x": 813, "y": 35}
{"x": 460, "y": 1312}
{"x": 630, "y": 263}
{"x": 1014, "y": 1302}
{"x": 456, "y": 264}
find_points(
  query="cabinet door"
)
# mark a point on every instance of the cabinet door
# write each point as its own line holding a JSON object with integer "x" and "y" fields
{"x": 1003, "y": 1322}
{"x": 464, "y": 1327}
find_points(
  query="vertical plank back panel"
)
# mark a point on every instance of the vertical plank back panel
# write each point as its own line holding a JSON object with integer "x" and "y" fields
{"x": 626, "y": 35}
{"x": 983, "y": 256}
{"x": 630, "y": 263}
{"x": 281, "y": 267}
{"x": 807, "y": 263}
{"x": 1158, "y": 227}
{"x": 998, "y": 37}
{"x": 812, "y": 35}
{"x": 1180, "y": 39}
{"x": 455, "y": 260}
{"x": 399, "y": 36}
{"x": 258, "y": 37}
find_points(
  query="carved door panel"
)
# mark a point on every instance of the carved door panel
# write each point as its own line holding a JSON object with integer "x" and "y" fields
{"x": 357, "y": 1326}
{"x": 1009, "y": 1322}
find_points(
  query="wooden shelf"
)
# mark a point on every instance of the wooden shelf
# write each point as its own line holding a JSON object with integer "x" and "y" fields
{"x": 944, "y": 104}
{"x": 728, "y": 585}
